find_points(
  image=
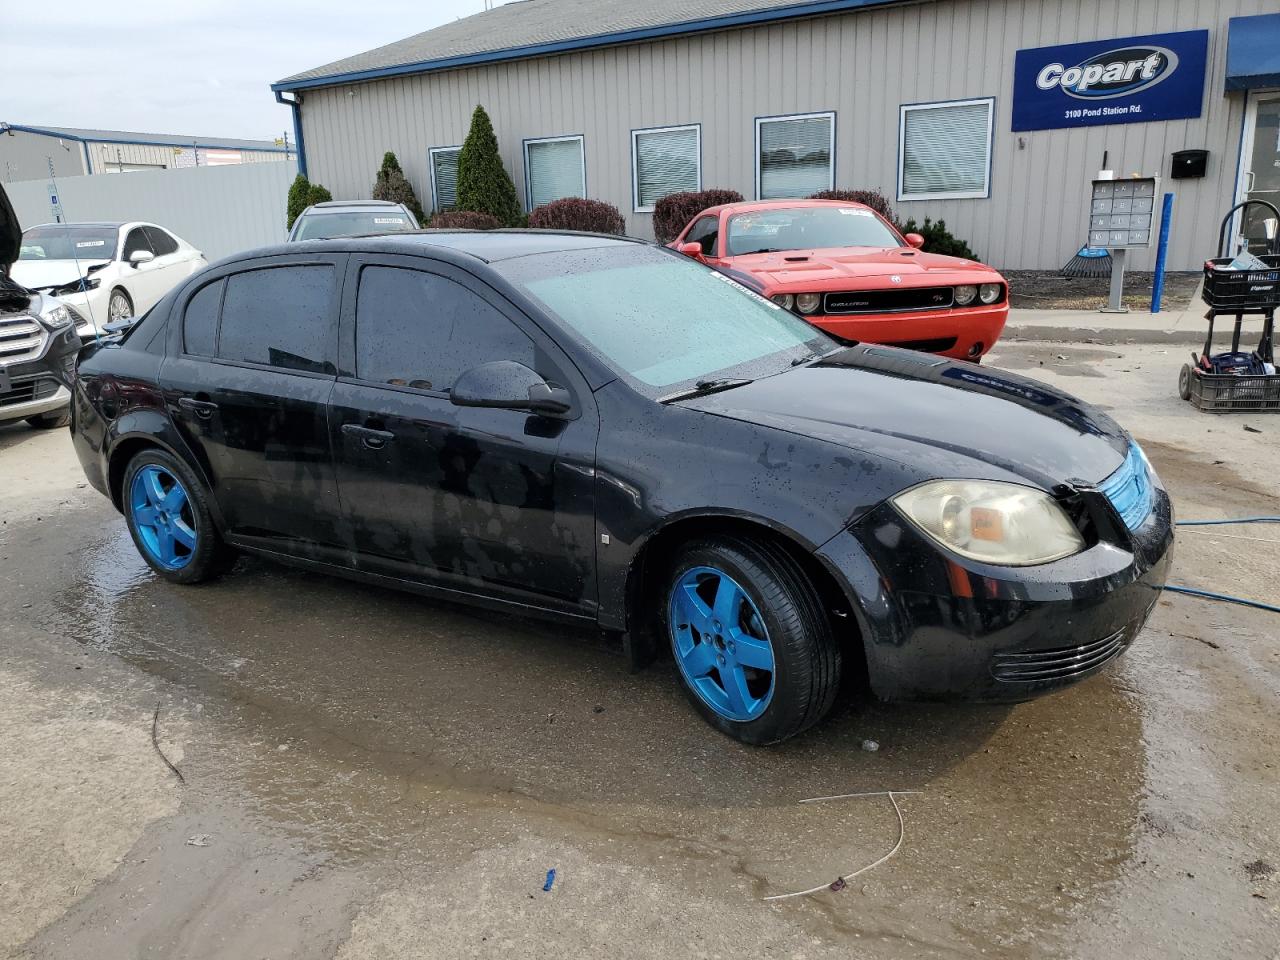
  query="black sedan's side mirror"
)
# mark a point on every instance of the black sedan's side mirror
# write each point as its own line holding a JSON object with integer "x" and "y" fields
{"x": 508, "y": 385}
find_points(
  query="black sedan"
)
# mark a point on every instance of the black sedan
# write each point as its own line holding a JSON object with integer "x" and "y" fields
{"x": 600, "y": 430}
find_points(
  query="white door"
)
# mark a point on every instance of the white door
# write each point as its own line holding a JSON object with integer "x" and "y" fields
{"x": 1260, "y": 171}
{"x": 144, "y": 282}
{"x": 172, "y": 264}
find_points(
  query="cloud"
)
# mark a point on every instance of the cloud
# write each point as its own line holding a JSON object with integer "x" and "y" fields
{"x": 202, "y": 67}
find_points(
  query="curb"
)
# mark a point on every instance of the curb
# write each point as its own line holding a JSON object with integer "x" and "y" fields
{"x": 1103, "y": 335}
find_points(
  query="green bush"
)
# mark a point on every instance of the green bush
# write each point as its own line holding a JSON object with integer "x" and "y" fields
{"x": 874, "y": 199}
{"x": 483, "y": 183}
{"x": 299, "y": 191}
{"x": 391, "y": 185}
{"x": 938, "y": 239}
{"x": 318, "y": 194}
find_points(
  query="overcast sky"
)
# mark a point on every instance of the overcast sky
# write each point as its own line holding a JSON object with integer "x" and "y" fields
{"x": 201, "y": 67}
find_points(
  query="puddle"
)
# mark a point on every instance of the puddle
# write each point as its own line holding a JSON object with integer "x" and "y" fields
{"x": 374, "y": 725}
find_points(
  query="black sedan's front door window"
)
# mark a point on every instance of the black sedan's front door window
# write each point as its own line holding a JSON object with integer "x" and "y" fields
{"x": 473, "y": 498}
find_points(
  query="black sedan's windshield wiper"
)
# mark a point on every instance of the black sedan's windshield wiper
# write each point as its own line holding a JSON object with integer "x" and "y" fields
{"x": 704, "y": 387}
{"x": 808, "y": 358}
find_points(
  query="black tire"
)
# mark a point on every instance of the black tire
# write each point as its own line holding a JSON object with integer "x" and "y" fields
{"x": 807, "y": 657}
{"x": 49, "y": 421}
{"x": 1184, "y": 382}
{"x": 211, "y": 556}
{"x": 119, "y": 293}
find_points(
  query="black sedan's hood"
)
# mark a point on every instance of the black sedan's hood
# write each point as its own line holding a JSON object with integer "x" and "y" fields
{"x": 943, "y": 417}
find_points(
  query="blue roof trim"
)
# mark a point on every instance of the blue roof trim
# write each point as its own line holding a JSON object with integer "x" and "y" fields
{"x": 749, "y": 18}
{"x": 1253, "y": 52}
{"x": 197, "y": 142}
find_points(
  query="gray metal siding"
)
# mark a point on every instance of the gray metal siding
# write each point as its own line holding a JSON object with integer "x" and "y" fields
{"x": 861, "y": 65}
{"x": 25, "y": 156}
{"x": 105, "y": 156}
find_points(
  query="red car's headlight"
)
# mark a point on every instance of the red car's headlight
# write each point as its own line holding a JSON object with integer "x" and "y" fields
{"x": 989, "y": 292}
{"x": 965, "y": 294}
{"x": 808, "y": 302}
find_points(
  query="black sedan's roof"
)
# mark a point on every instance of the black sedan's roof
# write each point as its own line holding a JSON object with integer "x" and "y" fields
{"x": 486, "y": 245}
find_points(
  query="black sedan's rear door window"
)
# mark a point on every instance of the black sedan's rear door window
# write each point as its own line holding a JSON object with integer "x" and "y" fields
{"x": 280, "y": 316}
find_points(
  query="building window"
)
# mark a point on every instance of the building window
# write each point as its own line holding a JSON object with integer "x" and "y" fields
{"x": 944, "y": 150}
{"x": 554, "y": 168}
{"x": 444, "y": 177}
{"x": 795, "y": 156}
{"x": 664, "y": 160}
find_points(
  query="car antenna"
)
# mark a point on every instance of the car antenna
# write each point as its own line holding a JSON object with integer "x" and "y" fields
{"x": 53, "y": 190}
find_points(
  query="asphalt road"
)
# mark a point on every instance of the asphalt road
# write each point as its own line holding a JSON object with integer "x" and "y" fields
{"x": 372, "y": 775}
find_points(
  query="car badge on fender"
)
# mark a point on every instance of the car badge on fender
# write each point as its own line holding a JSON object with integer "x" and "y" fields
{"x": 895, "y": 279}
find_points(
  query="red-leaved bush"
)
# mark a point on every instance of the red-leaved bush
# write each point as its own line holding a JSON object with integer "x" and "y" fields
{"x": 463, "y": 220}
{"x": 574, "y": 213}
{"x": 673, "y": 212}
{"x": 869, "y": 198}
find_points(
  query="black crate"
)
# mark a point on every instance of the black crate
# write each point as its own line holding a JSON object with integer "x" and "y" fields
{"x": 1225, "y": 393}
{"x": 1250, "y": 290}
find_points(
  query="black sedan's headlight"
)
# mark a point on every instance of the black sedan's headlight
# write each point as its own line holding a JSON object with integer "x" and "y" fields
{"x": 992, "y": 521}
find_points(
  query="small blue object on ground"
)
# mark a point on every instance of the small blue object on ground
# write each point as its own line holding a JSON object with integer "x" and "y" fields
{"x": 551, "y": 878}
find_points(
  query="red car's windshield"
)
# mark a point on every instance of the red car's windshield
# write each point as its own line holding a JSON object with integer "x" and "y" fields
{"x": 806, "y": 228}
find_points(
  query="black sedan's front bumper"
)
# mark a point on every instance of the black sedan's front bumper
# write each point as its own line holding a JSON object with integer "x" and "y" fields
{"x": 935, "y": 626}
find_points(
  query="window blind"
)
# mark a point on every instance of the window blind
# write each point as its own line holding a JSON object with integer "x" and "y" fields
{"x": 795, "y": 157}
{"x": 444, "y": 178}
{"x": 555, "y": 170}
{"x": 945, "y": 150}
{"x": 666, "y": 162}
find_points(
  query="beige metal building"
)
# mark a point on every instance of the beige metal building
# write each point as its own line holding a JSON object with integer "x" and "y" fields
{"x": 954, "y": 109}
{"x": 27, "y": 151}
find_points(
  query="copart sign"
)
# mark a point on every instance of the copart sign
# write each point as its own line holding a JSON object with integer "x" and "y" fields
{"x": 1124, "y": 80}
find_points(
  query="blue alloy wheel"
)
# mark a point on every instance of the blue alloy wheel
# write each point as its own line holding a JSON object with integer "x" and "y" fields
{"x": 162, "y": 515}
{"x": 721, "y": 644}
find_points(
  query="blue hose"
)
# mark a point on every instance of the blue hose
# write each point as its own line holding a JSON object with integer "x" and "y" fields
{"x": 1214, "y": 523}
{"x": 1224, "y": 597}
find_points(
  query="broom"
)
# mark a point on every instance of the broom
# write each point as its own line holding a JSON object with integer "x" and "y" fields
{"x": 1088, "y": 262}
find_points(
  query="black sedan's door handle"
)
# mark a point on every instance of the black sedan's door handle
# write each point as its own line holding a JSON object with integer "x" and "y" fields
{"x": 201, "y": 408}
{"x": 373, "y": 439}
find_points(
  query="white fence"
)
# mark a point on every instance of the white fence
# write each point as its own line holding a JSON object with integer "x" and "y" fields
{"x": 218, "y": 210}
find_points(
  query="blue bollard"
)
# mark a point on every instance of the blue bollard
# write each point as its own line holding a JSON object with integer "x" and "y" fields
{"x": 1162, "y": 252}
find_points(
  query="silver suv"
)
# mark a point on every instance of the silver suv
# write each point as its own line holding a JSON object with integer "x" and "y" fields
{"x": 38, "y": 342}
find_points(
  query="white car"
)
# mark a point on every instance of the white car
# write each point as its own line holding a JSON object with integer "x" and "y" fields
{"x": 104, "y": 271}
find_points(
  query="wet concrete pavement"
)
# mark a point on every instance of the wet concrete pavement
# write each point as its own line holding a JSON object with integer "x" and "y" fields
{"x": 370, "y": 774}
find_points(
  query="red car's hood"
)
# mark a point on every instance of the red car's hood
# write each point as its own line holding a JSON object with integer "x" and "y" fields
{"x": 816, "y": 269}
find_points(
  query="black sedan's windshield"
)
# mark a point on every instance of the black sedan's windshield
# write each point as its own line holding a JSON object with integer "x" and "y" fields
{"x": 807, "y": 228}
{"x": 321, "y": 226}
{"x": 71, "y": 241}
{"x": 662, "y": 320}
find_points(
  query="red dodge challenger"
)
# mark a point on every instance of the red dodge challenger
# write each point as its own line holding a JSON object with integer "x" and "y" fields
{"x": 844, "y": 268}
